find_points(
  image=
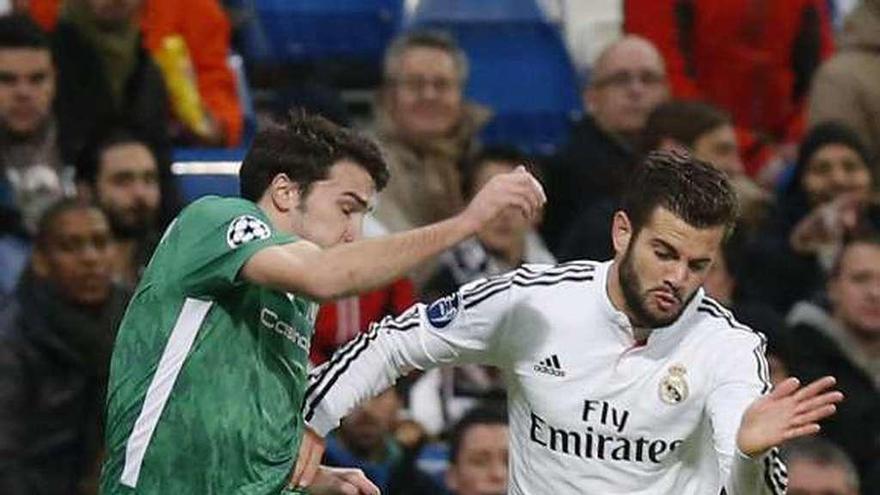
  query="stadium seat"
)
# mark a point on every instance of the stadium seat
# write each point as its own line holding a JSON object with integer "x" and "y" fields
{"x": 203, "y": 171}
{"x": 291, "y": 31}
{"x": 519, "y": 67}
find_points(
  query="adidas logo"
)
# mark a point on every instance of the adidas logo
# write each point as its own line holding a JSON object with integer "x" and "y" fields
{"x": 550, "y": 366}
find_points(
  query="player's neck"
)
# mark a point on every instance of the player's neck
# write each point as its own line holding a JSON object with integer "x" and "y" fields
{"x": 615, "y": 294}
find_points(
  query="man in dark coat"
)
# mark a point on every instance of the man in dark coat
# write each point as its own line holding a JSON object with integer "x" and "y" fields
{"x": 56, "y": 335}
{"x": 843, "y": 340}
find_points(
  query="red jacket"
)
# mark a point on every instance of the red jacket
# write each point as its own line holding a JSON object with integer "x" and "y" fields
{"x": 342, "y": 320}
{"x": 753, "y": 58}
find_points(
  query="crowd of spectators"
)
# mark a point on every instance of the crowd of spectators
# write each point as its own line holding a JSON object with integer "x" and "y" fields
{"x": 773, "y": 93}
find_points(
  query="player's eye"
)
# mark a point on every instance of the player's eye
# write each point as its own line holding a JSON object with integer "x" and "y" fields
{"x": 664, "y": 255}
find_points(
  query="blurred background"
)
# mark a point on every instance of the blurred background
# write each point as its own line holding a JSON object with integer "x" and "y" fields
{"x": 114, "y": 114}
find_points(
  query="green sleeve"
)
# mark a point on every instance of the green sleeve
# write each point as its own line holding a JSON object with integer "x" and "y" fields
{"x": 213, "y": 238}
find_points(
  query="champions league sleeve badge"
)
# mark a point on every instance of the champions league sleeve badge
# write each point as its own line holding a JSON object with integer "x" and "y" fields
{"x": 442, "y": 311}
{"x": 674, "y": 386}
{"x": 246, "y": 228}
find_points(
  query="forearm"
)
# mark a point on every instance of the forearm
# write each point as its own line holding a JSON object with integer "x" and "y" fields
{"x": 324, "y": 274}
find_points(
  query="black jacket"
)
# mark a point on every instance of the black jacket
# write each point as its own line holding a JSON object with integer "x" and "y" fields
{"x": 592, "y": 168}
{"x": 856, "y": 425}
{"x": 85, "y": 109}
{"x": 54, "y": 361}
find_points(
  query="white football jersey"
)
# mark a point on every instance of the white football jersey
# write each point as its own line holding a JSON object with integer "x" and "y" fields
{"x": 590, "y": 410}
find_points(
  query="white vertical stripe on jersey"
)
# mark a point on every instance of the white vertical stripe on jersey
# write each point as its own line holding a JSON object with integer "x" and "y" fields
{"x": 190, "y": 319}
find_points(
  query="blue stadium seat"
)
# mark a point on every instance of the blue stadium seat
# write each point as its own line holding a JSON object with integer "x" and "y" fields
{"x": 285, "y": 31}
{"x": 519, "y": 67}
{"x": 456, "y": 11}
{"x": 203, "y": 171}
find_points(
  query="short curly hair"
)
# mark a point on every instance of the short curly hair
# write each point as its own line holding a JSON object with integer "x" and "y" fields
{"x": 305, "y": 147}
{"x": 691, "y": 189}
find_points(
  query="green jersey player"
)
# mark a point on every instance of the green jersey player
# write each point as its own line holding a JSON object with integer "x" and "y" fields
{"x": 209, "y": 367}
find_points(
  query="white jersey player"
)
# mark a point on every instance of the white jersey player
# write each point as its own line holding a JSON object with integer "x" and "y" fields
{"x": 623, "y": 377}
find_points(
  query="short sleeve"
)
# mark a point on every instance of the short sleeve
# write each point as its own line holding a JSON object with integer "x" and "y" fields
{"x": 210, "y": 242}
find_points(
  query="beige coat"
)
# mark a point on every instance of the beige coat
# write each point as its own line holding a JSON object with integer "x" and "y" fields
{"x": 425, "y": 184}
{"x": 847, "y": 86}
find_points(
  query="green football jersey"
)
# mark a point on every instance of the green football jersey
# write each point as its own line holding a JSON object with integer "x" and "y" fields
{"x": 208, "y": 370}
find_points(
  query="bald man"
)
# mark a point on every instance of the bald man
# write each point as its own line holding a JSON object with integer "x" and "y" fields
{"x": 627, "y": 81}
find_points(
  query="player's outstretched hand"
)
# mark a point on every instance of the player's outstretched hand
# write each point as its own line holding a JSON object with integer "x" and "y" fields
{"x": 788, "y": 412}
{"x": 308, "y": 461}
{"x": 341, "y": 481}
{"x": 518, "y": 189}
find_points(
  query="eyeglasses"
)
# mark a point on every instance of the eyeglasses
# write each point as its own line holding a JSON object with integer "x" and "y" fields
{"x": 420, "y": 84}
{"x": 624, "y": 78}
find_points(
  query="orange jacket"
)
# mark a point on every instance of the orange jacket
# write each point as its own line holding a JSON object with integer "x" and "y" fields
{"x": 207, "y": 40}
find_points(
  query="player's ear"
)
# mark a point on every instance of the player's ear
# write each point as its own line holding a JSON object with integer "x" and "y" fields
{"x": 621, "y": 232}
{"x": 284, "y": 193}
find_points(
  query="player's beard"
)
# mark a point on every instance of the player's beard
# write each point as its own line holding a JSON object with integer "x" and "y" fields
{"x": 635, "y": 294}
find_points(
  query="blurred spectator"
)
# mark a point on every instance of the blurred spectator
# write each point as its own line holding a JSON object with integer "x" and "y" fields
{"x": 843, "y": 340}
{"x": 818, "y": 467}
{"x": 32, "y": 174}
{"x": 845, "y": 87}
{"x": 57, "y": 333}
{"x": 723, "y": 285}
{"x": 584, "y": 181}
{"x": 708, "y": 133}
{"x": 478, "y": 460}
{"x": 752, "y": 58}
{"x": 205, "y": 29}
{"x": 827, "y": 200}
{"x": 442, "y": 396}
{"x": 426, "y": 129}
{"x": 504, "y": 245}
{"x": 365, "y": 440}
{"x": 120, "y": 174}
{"x": 106, "y": 78}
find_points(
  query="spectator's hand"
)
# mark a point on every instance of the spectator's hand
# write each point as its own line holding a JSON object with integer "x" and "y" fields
{"x": 518, "y": 189}
{"x": 308, "y": 461}
{"x": 788, "y": 412}
{"x": 826, "y": 224}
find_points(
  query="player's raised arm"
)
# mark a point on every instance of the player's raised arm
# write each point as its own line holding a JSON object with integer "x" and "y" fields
{"x": 353, "y": 267}
{"x": 747, "y": 430}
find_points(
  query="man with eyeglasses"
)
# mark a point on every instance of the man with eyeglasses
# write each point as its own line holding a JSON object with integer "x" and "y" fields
{"x": 426, "y": 129}
{"x": 626, "y": 82}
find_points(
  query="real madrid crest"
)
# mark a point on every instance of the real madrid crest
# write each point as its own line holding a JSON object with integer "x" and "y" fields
{"x": 674, "y": 387}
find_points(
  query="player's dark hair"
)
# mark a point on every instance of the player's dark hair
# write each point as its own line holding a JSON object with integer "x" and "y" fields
{"x": 88, "y": 162}
{"x": 480, "y": 415}
{"x": 683, "y": 121}
{"x": 691, "y": 189}
{"x": 46, "y": 225}
{"x": 304, "y": 147}
{"x": 504, "y": 154}
{"x": 20, "y": 31}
